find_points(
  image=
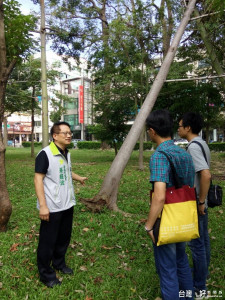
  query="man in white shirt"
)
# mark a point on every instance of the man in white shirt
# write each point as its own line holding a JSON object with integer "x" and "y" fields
{"x": 190, "y": 126}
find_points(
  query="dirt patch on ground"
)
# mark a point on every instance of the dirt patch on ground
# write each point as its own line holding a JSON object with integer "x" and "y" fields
{"x": 218, "y": 169}
{"x": 218, "y": 177}
{"x": 84, "y": 164}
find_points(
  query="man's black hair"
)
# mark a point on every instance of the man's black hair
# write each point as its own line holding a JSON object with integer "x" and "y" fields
{"x": 55, "y": 128}
{"x": 194, "y": 120}
{"x": 161, "y": 121}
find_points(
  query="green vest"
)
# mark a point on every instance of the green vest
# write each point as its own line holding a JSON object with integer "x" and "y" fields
{"x": 58, "y": 185}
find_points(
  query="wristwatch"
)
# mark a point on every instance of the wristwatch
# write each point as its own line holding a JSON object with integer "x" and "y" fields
{"x": 201, "y": 203}
{"x": 148, "y": 230}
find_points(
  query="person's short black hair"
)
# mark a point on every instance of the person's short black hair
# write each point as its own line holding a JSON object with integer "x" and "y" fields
{"x": 55, "y": 128}
{"x": 161, "y": 121}
{"x": 194, "y": 120}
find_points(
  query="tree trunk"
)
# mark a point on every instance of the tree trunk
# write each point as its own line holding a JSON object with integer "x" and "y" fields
{"x": 167, "y": 26}
{"x": 207, "y": 133}
{"x": 32, "y": 122}
{"x": 108, "y": 193}
{"x": 5, "y": 204}
{"x": 5, "y": 138}
{"x": 210, "y": 50}
{"x": 45, "y": 132}
{"x": 141, "y": 150}
{"x": 115, "y": 147}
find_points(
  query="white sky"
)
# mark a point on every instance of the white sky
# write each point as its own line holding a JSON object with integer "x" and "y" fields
{"x": 28, "y": 5}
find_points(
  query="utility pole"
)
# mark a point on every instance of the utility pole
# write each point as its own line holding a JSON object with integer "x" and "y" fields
{"x": 45, "y": 133}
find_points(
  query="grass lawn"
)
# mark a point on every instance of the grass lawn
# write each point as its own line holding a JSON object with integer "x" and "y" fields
{"x": 111, "y": 255}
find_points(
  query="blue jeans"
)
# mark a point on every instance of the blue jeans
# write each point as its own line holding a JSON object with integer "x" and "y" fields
{"x": 200, "y": 249}
{"x": 174, "y": 271}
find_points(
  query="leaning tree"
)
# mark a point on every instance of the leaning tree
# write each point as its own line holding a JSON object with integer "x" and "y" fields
{"x": 109, "y": 189}
{"x": 76, "y": 40}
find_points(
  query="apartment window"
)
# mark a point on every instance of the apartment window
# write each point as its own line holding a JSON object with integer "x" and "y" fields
{"x": 37, "y": 123}
{"x": 73, "y": 104}
{"x": 71, "y": 119}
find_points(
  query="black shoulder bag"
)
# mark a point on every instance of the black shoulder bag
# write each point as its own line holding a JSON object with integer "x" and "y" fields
{"x": 215, "y": 193}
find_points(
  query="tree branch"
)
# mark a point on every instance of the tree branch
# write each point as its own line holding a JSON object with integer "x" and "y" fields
{"x": 206, "y": 15}
{"x": 12, "y": 82}
{"x": 194, "y": 78}
{"x": 10, "y": 67}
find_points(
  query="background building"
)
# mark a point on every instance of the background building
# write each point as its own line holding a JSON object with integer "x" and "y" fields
{"x": 75, "y": 82}
{"x": 18, "y": 128}
{"x": 80, "y": 110}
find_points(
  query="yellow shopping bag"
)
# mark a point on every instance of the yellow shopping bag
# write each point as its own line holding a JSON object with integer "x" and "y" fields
{"x": 179, "y": 220}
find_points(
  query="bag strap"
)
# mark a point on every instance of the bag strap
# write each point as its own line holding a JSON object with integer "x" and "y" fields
{"x": 177, "y": 180}
{"x": 203, "y": 150}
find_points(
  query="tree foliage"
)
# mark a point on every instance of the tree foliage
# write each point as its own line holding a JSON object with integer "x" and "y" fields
{"x": 18, "y": 31}
{"x": 120, "y": 40}
{"x": 57, "y": 102}
{"x": 23, "y": 81}
{"x": 25, "y": 86}
{"x": 15, "y": 43}
{"x": 198, "y": 96}
{"x": 205, "y": 40}
{"x": 124, "y": 42}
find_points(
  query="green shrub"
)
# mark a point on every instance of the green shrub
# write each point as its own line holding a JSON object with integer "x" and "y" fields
{"x": 147, "y": 145}
{"x": 217, "y": 146}
{"x": 97, "y": 145}
{"x": 37, "y": 144}
{"x": 70, "y": 146}
{"x": 89, "y": 145}
{"x": 28, "y": 144}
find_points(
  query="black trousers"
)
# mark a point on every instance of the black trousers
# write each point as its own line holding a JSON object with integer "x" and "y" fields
{"x": 54, "y": 240}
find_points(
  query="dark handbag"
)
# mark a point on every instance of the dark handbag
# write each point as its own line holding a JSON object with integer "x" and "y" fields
{"x": 156, "y": 229}
{"x": 215, "y": 193}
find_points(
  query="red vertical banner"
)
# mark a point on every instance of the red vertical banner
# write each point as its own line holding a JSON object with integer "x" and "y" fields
{"x": 81, "y": 104}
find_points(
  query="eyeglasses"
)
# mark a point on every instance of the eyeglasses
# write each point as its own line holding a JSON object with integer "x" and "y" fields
{"x": 180, "y": 126}
{"x": 66, "y": 133}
